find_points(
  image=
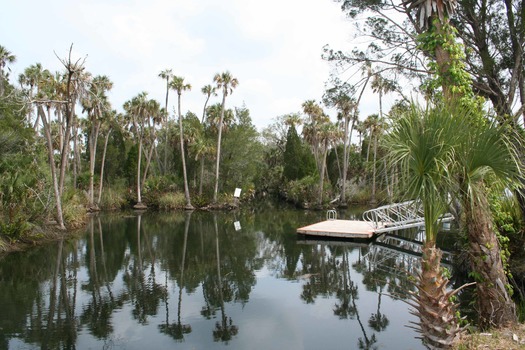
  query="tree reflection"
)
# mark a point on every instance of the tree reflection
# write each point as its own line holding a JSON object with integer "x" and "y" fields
{"x": 225, "y": 329}
{"x": 144, "y": 291}
{"x": 378, "y": 321}
{"x": 177, "y": 330}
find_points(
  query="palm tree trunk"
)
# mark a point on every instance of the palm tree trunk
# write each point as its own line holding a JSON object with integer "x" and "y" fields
{"x": 373, "y": 200}
{"x": 139, "y": 186}
{"x": 202, "y": 175}
{"x": 217, "y": 164}
{"x": 186, "y": 190}
{"x": 437, "y": 314}
{"x": 93, "y": 139}
{"x": 321, "y": 180}
{"x": 102, "y": 167}
{"x": 345, "y": 163}
{"x": 166, "y": 119}
{"x": 51, "y": 159}
{"x": 495, "y": 307}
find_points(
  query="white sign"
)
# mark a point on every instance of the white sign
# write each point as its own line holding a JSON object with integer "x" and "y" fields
{"x": 237, "y": 193}
{"x": 237, "y": 225}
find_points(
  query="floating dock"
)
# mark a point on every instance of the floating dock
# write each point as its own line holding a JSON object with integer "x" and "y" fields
{"x": 397, "y": 216}
{"x": 339, "y": 229}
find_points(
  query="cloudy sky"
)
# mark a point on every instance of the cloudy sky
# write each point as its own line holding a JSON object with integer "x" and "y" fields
{"x": 272, "y": 47}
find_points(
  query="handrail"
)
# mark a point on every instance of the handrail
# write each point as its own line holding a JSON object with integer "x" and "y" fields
{"x": 398, "y": 216}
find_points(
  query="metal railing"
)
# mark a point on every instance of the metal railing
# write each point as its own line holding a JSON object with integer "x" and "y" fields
{"x": 398, "y": 216}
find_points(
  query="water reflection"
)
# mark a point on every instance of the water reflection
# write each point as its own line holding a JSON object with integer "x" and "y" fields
{"x": 193, "y": 279}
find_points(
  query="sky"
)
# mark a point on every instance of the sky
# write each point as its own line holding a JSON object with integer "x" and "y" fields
{"x": 272, "y": 47}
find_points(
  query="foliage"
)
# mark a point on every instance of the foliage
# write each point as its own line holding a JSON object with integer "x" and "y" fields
{"x": 242, "y": 154}
{"x": 506, "y": 213}
{"x": 302, "y": 191}
{"x": 298, "y": 160}
{"x": 171, "y": 200}
{"x": 114, "y": 197}
{"x": 74, "y": 208}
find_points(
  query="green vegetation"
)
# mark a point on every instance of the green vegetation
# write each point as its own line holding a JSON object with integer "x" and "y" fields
{"x": 58, "y": 161}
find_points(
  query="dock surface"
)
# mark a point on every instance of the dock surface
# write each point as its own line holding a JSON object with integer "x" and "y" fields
{"x": 339, "y": 229}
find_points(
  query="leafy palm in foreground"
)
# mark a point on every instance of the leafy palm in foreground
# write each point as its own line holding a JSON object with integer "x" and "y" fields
{"x": 485, "y": 157}
{"x": 420, "y": 145}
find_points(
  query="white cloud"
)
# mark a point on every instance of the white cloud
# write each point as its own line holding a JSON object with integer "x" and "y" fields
{"x": 273, "y": 47}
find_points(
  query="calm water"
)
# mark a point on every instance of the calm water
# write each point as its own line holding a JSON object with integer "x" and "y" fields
{"x": 206, "y": 281}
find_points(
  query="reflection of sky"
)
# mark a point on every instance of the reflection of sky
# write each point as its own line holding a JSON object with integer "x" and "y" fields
{"x": 274, "y": 317}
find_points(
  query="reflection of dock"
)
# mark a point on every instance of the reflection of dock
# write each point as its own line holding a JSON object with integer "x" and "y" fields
{"x": 386, "y": 218}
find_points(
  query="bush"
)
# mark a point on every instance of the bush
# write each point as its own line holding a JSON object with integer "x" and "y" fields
{"x": 113, "y": 198}
{"x": 302, "y": 191}
{"x": 171, "y": 200}
{"x": 74, "y": 206}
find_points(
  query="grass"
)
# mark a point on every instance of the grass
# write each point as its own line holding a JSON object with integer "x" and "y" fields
{"x": 512, "y": 338}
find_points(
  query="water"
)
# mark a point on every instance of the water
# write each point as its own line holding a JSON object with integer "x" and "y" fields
{"x": 206, "y": 281}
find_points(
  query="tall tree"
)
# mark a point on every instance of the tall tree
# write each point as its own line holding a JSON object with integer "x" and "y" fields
{"x": 111, "y": 121}
{"x": 225, "y": 82}
{"x": 97, "y": 106}
{"x": 178, "y": 85}
{"x": 136, "y": 110}
{"x": 5, "y": 58}
{"x": 207, "y": 90}
{"x": 168, "y": 75}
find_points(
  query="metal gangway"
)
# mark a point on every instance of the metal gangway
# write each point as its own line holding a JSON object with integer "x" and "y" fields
{"x": 399, "y": 216}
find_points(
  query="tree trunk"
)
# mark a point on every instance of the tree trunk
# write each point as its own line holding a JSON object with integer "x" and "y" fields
{"x": 202, "y": 175}
{"x": 183, "y": 156}
{"x": 495, "y": 307}
{"x": 93, "y": 139}
{"x": 373, "y": 200}
{"x": 139, "y": 204}
{"x": 437, "y": 314}
{"x": 51, "y": 159}
{"x": 217, "y": 164}
{"x": 345, "y": 163}
{"x": 102, "y": 167}
{"x": 321, "y": 180}
{"x": 166, "y": 139}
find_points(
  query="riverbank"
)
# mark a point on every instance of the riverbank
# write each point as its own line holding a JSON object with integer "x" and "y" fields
{"x": 512, "y": 338}
{"x": 38, "y": 236}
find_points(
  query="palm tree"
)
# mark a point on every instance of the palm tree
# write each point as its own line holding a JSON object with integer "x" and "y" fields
{"x": 327, "y": 133}
{"x": 346, "y": 107}
{"x": 5, "y": 58}
{"x": 30, "y": 82}
{"x": 97, "y": 105}
{"x": 178, "y": 85}
{"x": 168, "y": 75}
{"x": 472, "y": 165}
{"x": 225, "y": 82}
{"x": 207, "y": 90}
{"x": 112, "y": 121}
{"x": 420, "y": 145}
{"x": 434, "y": 18}
{"x": 485, "y": 157}
{"x": 136, "y": 114}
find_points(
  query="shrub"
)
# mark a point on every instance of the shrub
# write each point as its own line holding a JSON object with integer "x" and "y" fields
{"x": 171, "y": 200}
{"x": 113, "y": 198}
{"x": 74, "y": 206}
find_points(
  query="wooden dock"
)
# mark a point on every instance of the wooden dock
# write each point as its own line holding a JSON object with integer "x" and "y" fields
{"x": 339, "y": 229}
